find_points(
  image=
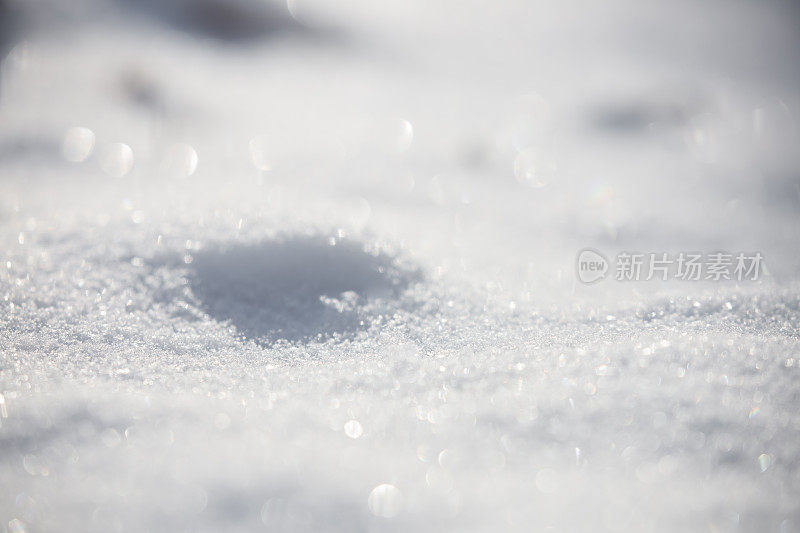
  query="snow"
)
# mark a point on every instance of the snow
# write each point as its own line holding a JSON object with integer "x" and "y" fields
{"x": 314, "y": 269}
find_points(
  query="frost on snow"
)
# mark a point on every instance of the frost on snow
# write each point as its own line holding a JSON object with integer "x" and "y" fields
{"x": 314, "y": 269}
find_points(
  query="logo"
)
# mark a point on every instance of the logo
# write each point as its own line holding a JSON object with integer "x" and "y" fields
{"x": 592, "y": 266}
{"x": 665, "y": 266}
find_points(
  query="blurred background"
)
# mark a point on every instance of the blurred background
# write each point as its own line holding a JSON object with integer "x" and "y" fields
{"x": 310, "y": 265}
{"x": 574, "y": 125}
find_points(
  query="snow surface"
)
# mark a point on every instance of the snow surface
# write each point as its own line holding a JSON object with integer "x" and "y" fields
{"x": 351, "y": 315}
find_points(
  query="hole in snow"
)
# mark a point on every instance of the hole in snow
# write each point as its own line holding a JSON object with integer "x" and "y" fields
{"x": 295, "y": 289}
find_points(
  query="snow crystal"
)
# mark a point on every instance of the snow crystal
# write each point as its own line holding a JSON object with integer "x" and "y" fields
{"x": 258, "y": 273}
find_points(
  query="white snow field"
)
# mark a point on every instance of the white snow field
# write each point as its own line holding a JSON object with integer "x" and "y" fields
{"x": 313, "y": 268}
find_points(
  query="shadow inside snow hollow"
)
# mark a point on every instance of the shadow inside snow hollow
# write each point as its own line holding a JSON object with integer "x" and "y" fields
{"x": 295, "y": 289}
